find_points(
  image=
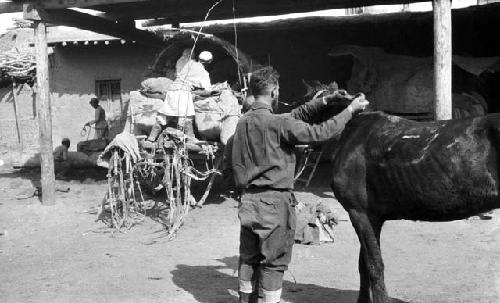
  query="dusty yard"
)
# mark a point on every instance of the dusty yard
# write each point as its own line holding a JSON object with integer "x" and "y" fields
{"x": 59, "y": 254}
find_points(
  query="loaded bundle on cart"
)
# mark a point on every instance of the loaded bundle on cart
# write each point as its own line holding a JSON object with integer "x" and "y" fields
{"x": 163, "y": 154}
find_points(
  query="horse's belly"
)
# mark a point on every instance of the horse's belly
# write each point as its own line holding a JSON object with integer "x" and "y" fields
{"x": 442, "y": 187}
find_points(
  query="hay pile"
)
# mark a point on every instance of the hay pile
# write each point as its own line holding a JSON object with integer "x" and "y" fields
{"x": 17, "y": 65}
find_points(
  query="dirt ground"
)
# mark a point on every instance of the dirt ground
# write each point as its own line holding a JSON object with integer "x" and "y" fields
{"x": 59, "y": 254}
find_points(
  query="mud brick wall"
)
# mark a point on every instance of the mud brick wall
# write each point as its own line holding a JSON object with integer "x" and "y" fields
{"x": 9, "y": 137}
{"x": 73, "y": 74}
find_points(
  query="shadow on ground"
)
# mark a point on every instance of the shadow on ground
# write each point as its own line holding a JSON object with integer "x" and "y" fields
{"x": 218, "y": 284}
{"x": 84, "y": 176}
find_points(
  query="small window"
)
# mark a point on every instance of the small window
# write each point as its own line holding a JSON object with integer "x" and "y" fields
{"x": 108, "y": 90}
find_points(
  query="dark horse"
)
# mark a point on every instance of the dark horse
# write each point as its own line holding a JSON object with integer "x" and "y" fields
{"x": 390, "y": 168}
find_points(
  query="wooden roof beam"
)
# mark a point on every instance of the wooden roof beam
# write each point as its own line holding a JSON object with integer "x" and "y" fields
{"x": 159, "y": 21}
{"x": 60, "y": 4}
{"x": 10, "y": 7}
{"x": 17, "y": 6}
{"x": 194, "y": 10}
{"x": 119, "y": 29}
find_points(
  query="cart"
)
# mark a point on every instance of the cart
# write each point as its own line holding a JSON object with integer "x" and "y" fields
{"x": 170, "y": 167}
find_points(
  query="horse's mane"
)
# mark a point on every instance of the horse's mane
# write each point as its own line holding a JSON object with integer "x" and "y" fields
{"x": 371, "y": 115}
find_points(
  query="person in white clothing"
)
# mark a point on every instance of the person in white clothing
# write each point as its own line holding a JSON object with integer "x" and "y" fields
{"x": 178, "y": 106}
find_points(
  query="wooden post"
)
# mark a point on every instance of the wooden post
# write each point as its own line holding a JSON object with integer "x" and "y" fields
{"x": 442, "y": 59}
{"x": 44, "y": 114}
{"x": 17, "y": 114}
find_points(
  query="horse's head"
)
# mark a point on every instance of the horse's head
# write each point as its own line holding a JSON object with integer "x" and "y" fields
{"x": 341, "y": 98}
{"x": 315, "y": 87}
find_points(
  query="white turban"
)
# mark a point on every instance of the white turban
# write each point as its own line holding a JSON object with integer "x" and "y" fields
{"x": 205, "y": 57}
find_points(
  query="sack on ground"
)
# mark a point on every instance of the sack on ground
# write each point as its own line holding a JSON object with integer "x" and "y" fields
{"x": 314, "y": 223}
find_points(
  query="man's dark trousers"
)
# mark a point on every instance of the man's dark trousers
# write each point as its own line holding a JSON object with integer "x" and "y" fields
{"x": 267, "y": 219}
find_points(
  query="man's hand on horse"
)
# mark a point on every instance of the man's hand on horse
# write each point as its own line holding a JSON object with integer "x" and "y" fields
{"x": 337, "y": 97}
{"x": 358, "y": 104}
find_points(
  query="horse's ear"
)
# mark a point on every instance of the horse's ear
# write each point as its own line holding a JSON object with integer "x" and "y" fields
{"x": 309, "y": 88}
{"x": 334, "y": 85}
{"x": 307, "y": 85}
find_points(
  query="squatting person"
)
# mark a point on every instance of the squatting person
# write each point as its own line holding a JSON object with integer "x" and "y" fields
{"x": 263, "y": 165}
{"x": 61, "y": 163}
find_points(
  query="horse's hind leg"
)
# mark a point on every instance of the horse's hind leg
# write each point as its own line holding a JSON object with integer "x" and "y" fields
{"x": 372, "y": 288}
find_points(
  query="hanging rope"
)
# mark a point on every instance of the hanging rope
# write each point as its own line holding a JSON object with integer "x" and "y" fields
{"x": 198, "y": 33}
{"x": 191, "y": 56}
{"x": 86, "y": 131}
{"x": 236, "y": 43}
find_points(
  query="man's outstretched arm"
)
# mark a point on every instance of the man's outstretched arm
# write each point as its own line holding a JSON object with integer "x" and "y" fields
{"x": 309, "y": 110}
{"x": 297, "y": 132}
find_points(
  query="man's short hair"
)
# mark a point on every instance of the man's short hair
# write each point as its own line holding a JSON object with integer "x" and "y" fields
{"x": 263, "y": 80}
{"x": 65, "y": 141}
{"x": 94, "y": 100}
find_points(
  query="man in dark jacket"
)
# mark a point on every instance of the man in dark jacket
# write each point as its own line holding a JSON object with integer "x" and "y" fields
{"x": 263, "y": 164}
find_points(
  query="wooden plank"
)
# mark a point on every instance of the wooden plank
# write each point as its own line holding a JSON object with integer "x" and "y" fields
{"x": 15, "y": 7}
{"x": 10, "y": 7}
{"x": 17, "y": 114}
{"x": 60, "y": 4}
{"x": 44, "y": 114}
{"x": 442, "y": 59}
{"x": 31, "y": 13}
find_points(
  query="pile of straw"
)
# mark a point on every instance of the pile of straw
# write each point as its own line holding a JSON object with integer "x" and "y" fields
{"x": 17, "y": 65}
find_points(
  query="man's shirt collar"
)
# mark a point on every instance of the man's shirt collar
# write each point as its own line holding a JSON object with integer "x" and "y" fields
{"x": 261, "y": 105}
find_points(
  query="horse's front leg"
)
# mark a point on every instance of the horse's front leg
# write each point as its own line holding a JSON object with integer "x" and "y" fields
{"x": 372, "y": 288}
{"x": 364, "y": 280}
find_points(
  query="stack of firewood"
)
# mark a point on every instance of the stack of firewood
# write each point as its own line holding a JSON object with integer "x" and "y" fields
{"x": 16, "y": 64}
{"x": 22, "y": 23}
